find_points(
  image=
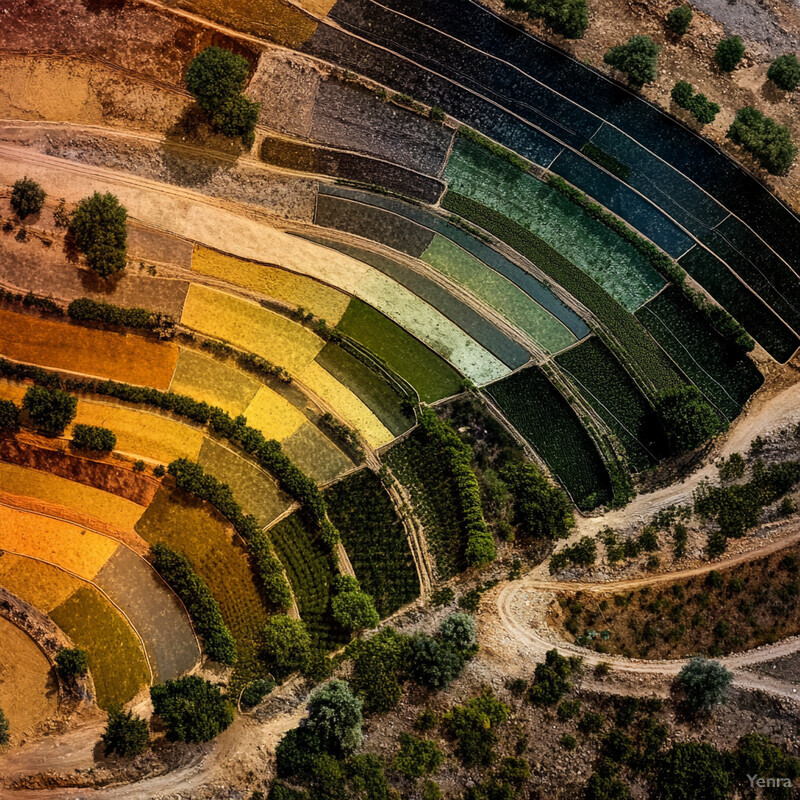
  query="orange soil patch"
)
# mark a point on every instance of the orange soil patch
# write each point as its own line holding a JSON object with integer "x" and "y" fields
{"x": 59, "y": 345}
{"x": 47, "y": 455}
{"x": 28, "y": 687}
{"x": 57, "y": 542}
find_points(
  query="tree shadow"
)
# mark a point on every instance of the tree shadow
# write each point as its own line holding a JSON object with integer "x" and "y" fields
{"x": 96, "y": 284}
{"x": 772, "y": 94}
{"x": 180, "y": 148}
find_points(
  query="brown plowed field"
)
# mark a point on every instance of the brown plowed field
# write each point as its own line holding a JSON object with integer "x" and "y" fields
{"x": 105, "y": 354}
{"x": 135, "y": 36}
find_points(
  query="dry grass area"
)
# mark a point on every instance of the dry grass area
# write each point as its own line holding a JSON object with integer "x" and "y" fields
{"x": 273, "y": 415}
{"x": 68, "y": 546}
{"x": 140, "y": 433}
{"x": 28, "y": 686}
{"x": 689, "y": 58}
{"x": 295, "y": 290}
{"x": 250, "y": 327}
{"x": 86, "y": 499}
{"x": 68, "y": 89}
{"x": 103, "y": 354}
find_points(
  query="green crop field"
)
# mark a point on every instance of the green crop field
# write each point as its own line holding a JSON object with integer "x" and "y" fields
{"x": 430, "y": 375}
{"x": 418, "y": 467}
{"x": 375, "y": 540}
{"x": 727, "y": 377}
{"x": 368, "y": 386}
{"x": 312, "y": 451}
{"x": 606, "y": 386}
{"x": 254, "y": 490}
{"x": 616, "y": 265}
{"x": 115, "y": 655}
{"x": 191, "y": 527}
{"x": 640, "y": 350}
{"x": 499, "y": 293}
{"x": 539, "y": 412}
{"x": 311, "y": 574}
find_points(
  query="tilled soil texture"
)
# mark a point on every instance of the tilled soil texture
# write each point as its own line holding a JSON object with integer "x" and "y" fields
{"x": 135, "y": 36}
{"x": 69, "y": 89}
{"x": 154, "y": 611}
{"x": 158, "y": 247}
{"x": 349, "y": 116}
{"x": 29, "y": 451}
{"x": 731, "y": 610}
{"x": 28, "y": 686}
{"x": 40, "y": 263}
{"x": 350, "y": 166}
{"x": 214, "y": 173}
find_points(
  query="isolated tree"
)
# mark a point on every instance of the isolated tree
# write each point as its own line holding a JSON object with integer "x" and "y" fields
{"x": 354, "y": 610}
{"x": 193, "y": 709}
{"x": 768, "y": 141}
{"x": 687, "y": 418}
{"x": 216, "y": 78}
{"x": 71, "y": 662}
{"x": 100, "y": 230}
{"x": 460, "y": 631}
{"x": 93, "y": 437}
{"x": 379, "y": 665}
{"x": 784, "y": 72}
{"x": 125, "y": 734}
{"x": 285, "y": 646}
{"x": 682, "y": 93}
{"x": 51, "y": 410}
{"x": 214, "y": 75}
{"x": 335, "y": 718}
{"x": 679, "y": 19}
{"x": 705, "y": 684}
{"x": 27, "y": 197}
{"x": 567, "y": 18}
{"x": 637, "y": 59}
{"x": 9, "y": 417}
{"x": 729, "y": 53}
{"x": 5, "y": 735}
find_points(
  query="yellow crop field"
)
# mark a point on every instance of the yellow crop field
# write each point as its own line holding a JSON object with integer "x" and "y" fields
{"x": 273, "y": 415}
{"x": 204, "y": 378}
{"x": 120, "y": 357}
{"x": 86, "y": 499}
{"x": 141, "y": 433}
{"x": 12, "y": 391}
{"x": 250, "y": 327}
{"x": 39, "y": 584}
{"x": 297, "y": 290}
{"x": 61, "y": 543}
{"x": 346, "y": 404}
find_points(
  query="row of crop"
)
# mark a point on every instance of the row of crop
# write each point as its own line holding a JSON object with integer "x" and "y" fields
{"x": 719, "y": 318}
{"x": 178, "y": 572}
{"x": 457, "y": 456}
{"x": 417, "y": 464}
{"x": 640, "y": 353}
{"x": 312, "y": 572}
{"x": 267, "y": 453}
{"x": 190, "y": 477}
{"x": 375, "y": 540}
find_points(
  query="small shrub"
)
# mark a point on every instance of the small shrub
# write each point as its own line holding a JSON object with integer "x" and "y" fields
{"x": 567, "y": 709}
{"x": 139, "y": 466}
{"x": 9, "y": 417}
{"x": 729, "y": 53}
{"x": 417, "y": 757}
{"x": 27, "y": 197}
{"x": 50, "y": 410}
{"x": 770, "y": 143}
{"x": 568, "y": 741}
{"x": 679, "y": 19}
{"x": 5, "y": 736}
{"x": 637, "y": 59}
{"x": 591, "y": 722}
{"x": 256, "y": 691}
{"x": 436, "y": 114}
{"x": 784, "y": 72}
{"x": 426, "y": 721}
{"x": 125, "y": 734}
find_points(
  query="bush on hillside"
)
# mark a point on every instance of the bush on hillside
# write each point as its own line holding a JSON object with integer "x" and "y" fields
{"x": 93, "y": 437}
{"x": 285, "y": 646}
{"x": 9, "y": 417}
{"x": 679, "y": 19}
{"x": 705, "y": 684}
{"x": 125, "y": 734}
{"x": 729, "y": 53}
{"x": 784, "y": 72}
{"x": 71, "y": 662}
{"x": 770, "y": 143}
{"x": 192, "y": 709}
{"x": 637, "y": 59}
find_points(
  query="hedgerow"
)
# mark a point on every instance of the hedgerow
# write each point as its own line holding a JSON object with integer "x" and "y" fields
{"x": 457, "y": 455}
{"x": 178, "y": 572}
{"x": 84, "y": 309}
{"x": 719, "y": 318}
{"x": 190, "y": 477}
